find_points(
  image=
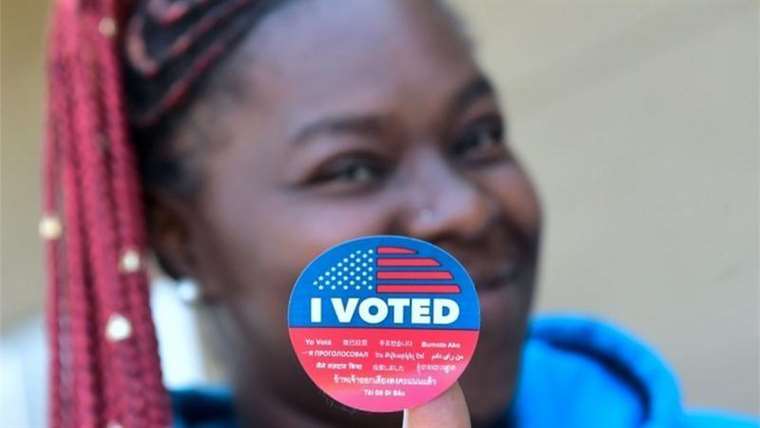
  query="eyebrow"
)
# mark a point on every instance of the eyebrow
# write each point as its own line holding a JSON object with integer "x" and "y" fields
{"x": 477, "y": 88}
{"x": 360, "y": 124}
{"x": 370, "y": 124}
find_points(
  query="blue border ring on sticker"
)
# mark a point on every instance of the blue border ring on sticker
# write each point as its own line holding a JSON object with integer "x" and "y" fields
{"x": 384, "y": 323}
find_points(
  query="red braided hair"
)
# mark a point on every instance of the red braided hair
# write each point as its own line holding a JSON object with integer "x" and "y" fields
{"x": 104, "y": 363}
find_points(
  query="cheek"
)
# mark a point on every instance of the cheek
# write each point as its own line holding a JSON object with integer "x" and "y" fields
{"x": 265, "y": 242}
{"x": 263, "y": 234}
{"x": 260, "y": 261}
{"x": 316, "y": 226}
{"x": 517, "y": 197}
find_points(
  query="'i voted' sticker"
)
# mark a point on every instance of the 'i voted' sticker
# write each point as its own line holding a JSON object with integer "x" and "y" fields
{"x": 384, "y": 323}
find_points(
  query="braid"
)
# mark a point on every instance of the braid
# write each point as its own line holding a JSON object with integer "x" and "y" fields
{"x": 170, "y": 45}
{"x": 130, "y": 232}
{"x": 170, "y": 49}
{"x": 101, "y": 362}
{"x": 71, "y": 337}
{"x": 50, "y": 226}
{"x": 104, "y": 363}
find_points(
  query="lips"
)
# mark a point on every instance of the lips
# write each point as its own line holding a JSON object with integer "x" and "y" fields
{"x": 507, "y": 274}
{"x": 495, "y": 267}
{"x": 497, "y": 259}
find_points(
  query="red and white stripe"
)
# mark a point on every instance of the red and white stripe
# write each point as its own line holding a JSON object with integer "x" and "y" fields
{"x": 422, "y": 279}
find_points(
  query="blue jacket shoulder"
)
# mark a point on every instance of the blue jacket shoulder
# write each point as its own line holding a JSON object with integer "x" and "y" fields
{"x": 581, "y": 372}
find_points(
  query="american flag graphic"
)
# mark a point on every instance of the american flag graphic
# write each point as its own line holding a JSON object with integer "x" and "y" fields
{"x": 387, "y": 270}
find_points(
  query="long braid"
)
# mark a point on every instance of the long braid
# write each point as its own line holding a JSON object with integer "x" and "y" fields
{"x": 130, "y": 230}
{"x": 73, "y": 299}
{"x": 79, "y": 301}
{"x": 51, "y": 227}
{"x": 109, "y": 382}
{"x": 104, "y": 363}
{"x": 125, "y": 374}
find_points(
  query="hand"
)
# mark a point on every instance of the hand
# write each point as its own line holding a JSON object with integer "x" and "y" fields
{"x": 449, "y": 410}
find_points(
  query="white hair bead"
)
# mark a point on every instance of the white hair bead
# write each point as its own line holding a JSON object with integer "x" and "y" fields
{"x": 50, "y": 227}
{"x": 130, "y": 261}
{"x": 107, "y": 26}
{"x": 118, "y": 328}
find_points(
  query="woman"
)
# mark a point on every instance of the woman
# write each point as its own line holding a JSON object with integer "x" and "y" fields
{"x": 236, "y": 140}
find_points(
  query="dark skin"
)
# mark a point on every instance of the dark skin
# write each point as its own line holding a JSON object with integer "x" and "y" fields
{"x": 328, "y": 123}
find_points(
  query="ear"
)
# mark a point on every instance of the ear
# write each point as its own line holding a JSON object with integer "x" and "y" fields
{"x": 179, "y": 243}
{"x": 173, "y": 237}
{"x": 168, "y": 234}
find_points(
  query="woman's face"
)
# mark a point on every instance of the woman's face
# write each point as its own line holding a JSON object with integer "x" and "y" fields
{"x": 337, "y": 122}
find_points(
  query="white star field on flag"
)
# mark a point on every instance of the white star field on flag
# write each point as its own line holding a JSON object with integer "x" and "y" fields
{"x": 355, "y": 271}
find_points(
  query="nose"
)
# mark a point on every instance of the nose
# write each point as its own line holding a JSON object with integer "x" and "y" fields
{"x": 443, "y": 203}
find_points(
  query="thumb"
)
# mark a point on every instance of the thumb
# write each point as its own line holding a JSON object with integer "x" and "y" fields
{"x": 448, "y": 410}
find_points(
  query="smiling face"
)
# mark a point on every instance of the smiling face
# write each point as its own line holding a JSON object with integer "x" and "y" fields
{"x": 331, "y": 123}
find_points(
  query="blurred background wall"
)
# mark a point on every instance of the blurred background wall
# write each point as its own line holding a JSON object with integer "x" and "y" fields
{"x": 639, "y": 122}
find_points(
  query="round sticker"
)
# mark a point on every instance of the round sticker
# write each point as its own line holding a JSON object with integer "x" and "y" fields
{"x": 384, "y": 323}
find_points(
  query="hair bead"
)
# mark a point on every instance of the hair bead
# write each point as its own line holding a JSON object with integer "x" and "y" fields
{"x": 107, "y": 26}
{"x": 118, "y": 328}
{"x": 50, "y": 227}
{"x": 130, "y": 261}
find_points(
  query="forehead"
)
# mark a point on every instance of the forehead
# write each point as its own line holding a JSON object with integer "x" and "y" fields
{"x": 349, "y": 53}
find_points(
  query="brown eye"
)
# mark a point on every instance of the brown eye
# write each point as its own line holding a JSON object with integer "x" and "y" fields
{"x": 351, "y": 171}
{"x": 357, "y": 173}
{"x": 481, "y": 142}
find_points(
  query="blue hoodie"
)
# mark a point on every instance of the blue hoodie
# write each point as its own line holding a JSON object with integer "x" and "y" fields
{"x": 577, "y": 372}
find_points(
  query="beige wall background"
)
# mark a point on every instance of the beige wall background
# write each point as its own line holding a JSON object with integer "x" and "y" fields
{"x": 639, "y": 121}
